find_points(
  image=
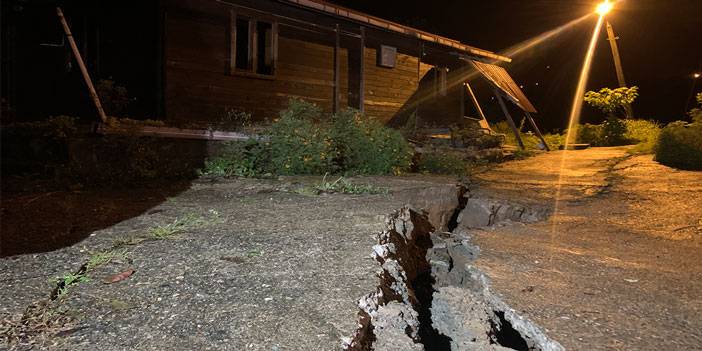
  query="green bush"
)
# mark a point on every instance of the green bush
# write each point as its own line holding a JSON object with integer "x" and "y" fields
{"x": 680, "y": 145}
{"x": 442, "y": 162}
{"x": 613, "y": 130}
{"x": 643, "y": 133}
{"x": 616, "y": 132}
{"x": 589, "y": 134}
{"x": 239, "y": 159}
{"x": 302, "y": 141}
{"x": 363, "y": 145}
{"x": 530, "y": 140}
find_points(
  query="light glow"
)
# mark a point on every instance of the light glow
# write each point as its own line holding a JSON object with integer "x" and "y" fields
{"x": 604, "y": 8}
{"x": 696, "y": 75}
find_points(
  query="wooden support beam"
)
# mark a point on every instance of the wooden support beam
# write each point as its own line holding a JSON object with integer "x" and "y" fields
{"x": 337, "y": 68}
{"x": 362, "y": 73}
{"x": 483, "y": 121}
{"x": 537, "y": 131}
{"x": 510, "y": 121}
{"x": 91, "y": 89}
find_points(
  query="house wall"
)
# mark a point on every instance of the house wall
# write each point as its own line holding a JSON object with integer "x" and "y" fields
{"x": 199, "y": 87}
{"x": 388, "y": 91}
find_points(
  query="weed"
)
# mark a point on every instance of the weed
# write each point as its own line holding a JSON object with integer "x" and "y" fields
{"x": 64, "y": 283}
{"x": 254, "y": 253}
{"x": 343, "y": 186}
{"x": 38, "y": 324}
{"x": 104, "y": 257}
{"x": 182, "y": 224}
{"x": 128, "y": 241}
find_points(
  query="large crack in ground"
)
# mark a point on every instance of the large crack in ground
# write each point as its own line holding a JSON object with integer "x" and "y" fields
{"x": 431, "y": 296}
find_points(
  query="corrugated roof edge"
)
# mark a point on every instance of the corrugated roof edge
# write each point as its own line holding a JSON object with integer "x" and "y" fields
{"x": 395, "y": 27}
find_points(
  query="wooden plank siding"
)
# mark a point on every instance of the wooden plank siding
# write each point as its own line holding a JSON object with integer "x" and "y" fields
{"x": 200, "y": 85}
{"x": 388, "y": 90}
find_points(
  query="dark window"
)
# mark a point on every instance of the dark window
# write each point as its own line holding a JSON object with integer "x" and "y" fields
{"x": 243, "y": 45}
{"x": 264, "y": 48}
{"x": 254, "y": 50}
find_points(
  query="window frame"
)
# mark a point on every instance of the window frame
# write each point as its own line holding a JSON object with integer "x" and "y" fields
{"x": 252, "y": 45}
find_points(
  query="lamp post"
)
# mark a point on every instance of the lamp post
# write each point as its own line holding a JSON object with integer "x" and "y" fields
{"x": 603, "y": 9}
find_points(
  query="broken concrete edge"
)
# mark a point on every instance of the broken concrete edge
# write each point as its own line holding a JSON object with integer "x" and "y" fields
{"x": 394, "y": 317}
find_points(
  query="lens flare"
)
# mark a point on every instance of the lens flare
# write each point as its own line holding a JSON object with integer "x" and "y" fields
{"x": 573, "y": 121}
{"x": 604, "y": 8}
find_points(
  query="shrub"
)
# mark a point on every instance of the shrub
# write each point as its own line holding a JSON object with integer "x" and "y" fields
{"x": 442, "y": 162}
{"x": 680, "y": 145}
{"x": 530, "y": 140}
{"x": 239, "y": 159}
{"x": 300, "y": 142}
{"x": 616, "y": 132}
{"x": 643, "y": 133}
{"x": 613, "y": 130}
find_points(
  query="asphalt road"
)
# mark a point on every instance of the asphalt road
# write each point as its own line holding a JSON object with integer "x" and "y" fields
{"x": 617, "y": 267}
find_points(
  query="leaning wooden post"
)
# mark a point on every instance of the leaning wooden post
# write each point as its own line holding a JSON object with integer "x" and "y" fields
{"x": 510, "y": 121}
{"x": 81, "y": 64}
{"x": 536, "y": 129}
{"x": 483, "y": 123}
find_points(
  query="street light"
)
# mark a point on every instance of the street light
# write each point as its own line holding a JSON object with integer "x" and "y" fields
{"x": 696, "y": 75}
{"x": 604, "y": 8}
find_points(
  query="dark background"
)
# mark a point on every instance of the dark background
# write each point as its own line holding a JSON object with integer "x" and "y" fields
{"x": 660, "y": 44}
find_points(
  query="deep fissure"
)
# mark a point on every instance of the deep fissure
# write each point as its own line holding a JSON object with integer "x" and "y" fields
{"x": 504, "y": 334}
{"x": 420, "y": 264}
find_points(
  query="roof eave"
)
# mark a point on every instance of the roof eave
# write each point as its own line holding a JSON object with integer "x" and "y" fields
{"x": 395, "y": 27}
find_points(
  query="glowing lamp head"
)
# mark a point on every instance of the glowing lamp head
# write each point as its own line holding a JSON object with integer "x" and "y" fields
{"x": 696, "y": 75}
{"x": 604, "y": 8}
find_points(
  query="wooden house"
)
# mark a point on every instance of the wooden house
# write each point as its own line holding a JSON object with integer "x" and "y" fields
{"x": 188, "y": 61}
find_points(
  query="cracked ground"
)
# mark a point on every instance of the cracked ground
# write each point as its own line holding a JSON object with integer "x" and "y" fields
{"x": 620, "y": 269}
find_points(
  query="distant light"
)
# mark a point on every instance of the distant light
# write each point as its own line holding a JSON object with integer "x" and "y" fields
{"x": 604, "y": 8}
{"x": 696, "y": 75}
{"x": 521, "y": 86}
{"x": 537, "y": 84}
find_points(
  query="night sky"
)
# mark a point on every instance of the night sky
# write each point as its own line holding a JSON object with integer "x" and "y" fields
{"x": 660, "y": 44}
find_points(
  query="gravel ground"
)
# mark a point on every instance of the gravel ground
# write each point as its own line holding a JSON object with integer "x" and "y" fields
{"x": 620, "y": 269}
{"x": 254, "y": 266}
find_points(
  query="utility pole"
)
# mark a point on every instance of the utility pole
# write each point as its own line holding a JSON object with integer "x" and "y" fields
{"x": 618, "y": 64}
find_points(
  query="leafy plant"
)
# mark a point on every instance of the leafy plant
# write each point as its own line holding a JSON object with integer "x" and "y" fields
{"x": 299, "y": 144}
{"x": 530, "y": 140}
{"x": 680, "y": 145}
{"x": 63, "y": 284}
{"x": 301, "y": 141}
{"x": 443, "y": 162}
{"x": 239, "y": 159}
{"x": 612, "y": 101}
{"x": 613, "y": 130}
